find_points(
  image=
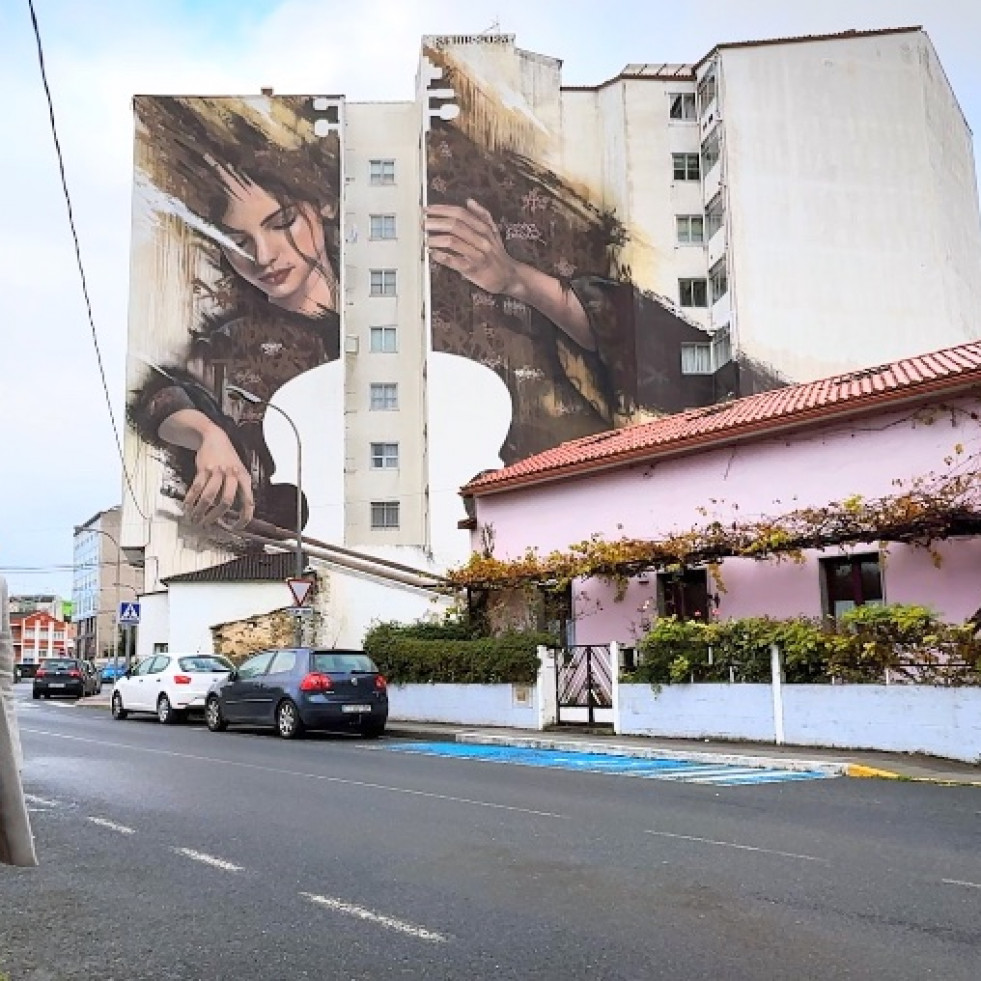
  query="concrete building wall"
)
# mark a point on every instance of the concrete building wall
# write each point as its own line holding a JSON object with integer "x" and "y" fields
{"x": 852, "y": 208}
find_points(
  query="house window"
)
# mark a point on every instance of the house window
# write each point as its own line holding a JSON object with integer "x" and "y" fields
{"x": 381, "y": 171}
{"x": 719, "y": 278}
{"x": 714, "y": 216}
{"x": 693, "y": 292}
{"x": 555, "y": 615}
{"x": 382, "y": 282}
{"x": 384, "y": 396}
{"x": 850, "y": 581}
{"x": 710, "y": 152}
{"x": 384, "y": 514}
{"x": 384, "y": 456}
{"x": 682, "y": 105}
{"x": 685, "y": 166}
{"x": 721, "y": 348}
{"x": 696, "y": 359}
{"x": 384, "y": 340}
{"x": 381, "y": 226}
{"x": 691, "y": 229}
{"x": 683, "y": 594}
{"x": 707, "y": 91}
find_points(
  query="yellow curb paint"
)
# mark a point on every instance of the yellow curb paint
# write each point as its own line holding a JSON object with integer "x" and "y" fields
{"x": 857, "y": 770}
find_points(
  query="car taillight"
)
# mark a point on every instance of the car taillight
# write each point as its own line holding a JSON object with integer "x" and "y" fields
{"x": 380, "y": 683}
{"x": 74, "y": 673}
{"x": 182, "y": 679}
{"x": 40, "y": 673}
{"x": 315, "y": 681}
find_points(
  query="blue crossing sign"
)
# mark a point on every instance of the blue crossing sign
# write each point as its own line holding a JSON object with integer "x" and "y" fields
{"x": 129, "y": 613}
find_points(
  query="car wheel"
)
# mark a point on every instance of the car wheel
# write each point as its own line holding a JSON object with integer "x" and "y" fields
{"x": 372, "y": 730}
{"x": 118, "y": 712}
{"x": 288, "y": 722}
{"x": 213, "y": 718}
{"x": 165, "y": 711}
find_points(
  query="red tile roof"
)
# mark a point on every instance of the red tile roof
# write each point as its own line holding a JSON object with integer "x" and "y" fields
{"x": 940, "y": 372}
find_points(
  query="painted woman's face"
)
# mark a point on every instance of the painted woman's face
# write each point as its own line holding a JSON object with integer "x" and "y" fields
{"x": 282, "y": 247}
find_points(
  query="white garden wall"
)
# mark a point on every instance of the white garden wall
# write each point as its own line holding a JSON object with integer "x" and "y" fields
{"x": 512, "y": 706}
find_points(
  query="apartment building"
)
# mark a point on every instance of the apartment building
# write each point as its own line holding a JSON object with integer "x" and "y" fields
{"x": 593, "y": 257}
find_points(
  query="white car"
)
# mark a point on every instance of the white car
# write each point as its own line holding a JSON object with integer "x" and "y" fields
{"x": 168, "y": 685}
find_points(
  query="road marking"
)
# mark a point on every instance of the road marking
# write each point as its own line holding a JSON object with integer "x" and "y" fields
{"x": 961, "y": 882}
{"x": 34, "y": 799}
{"x": 732, "y": 844}
{"x": 644, "y": 768}
{"x": 218, "y": 863}
{"x": 299, "y": 773}
{"x": 112, "y": 826}
{"x": 389, "y": 922}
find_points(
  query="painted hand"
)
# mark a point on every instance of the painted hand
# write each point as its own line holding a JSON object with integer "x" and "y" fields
{"x": 221, "y": 482}
{"x": 468, "y": 240}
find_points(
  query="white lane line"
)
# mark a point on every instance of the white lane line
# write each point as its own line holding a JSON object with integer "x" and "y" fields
{"x": 339, "y": 906}
{"x": 961, "y": 882}
{"x": 745, "y": 848}
{"x": 299, "y": 773}
{"x": 34, "y": 799}
{"x": 217, "y": 863}
{"x": 111, "y": 825}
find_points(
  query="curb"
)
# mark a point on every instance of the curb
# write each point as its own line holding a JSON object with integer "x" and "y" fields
{"x": 870, "y": 772}
{"x": 642, "y": 752}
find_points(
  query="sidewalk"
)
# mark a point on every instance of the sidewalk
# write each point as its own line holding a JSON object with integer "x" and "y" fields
{"x": 852, "y": 763}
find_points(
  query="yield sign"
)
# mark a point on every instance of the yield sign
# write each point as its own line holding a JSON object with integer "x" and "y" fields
{"x": 300, "y": 588}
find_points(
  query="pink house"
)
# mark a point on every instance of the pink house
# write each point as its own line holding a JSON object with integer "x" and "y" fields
{"x": 845, "y": 438}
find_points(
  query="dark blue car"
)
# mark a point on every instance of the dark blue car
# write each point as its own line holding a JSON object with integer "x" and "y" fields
{"x": 301, "y": 688}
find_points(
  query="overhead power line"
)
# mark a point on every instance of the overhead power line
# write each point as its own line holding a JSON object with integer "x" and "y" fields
{"x": 78, "y": 255}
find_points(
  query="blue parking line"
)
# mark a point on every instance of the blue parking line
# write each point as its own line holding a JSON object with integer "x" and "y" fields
{"x": 686, "y": 771}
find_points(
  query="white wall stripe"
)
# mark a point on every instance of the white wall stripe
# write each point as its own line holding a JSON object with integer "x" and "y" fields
{"x": 389, "y": 922}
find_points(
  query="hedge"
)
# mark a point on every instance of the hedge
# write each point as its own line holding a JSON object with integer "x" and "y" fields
{"x": 447, "y": 653}
{"x": 866, "y": 644}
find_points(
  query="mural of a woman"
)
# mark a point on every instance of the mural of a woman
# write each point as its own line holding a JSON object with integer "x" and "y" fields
{"x": 529, "y": 273}
{"x": 260, "y": 191}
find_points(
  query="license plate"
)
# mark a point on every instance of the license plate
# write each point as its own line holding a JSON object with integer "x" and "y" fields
{"x": 56, "y": 684}
{"x": 355, "y": 708}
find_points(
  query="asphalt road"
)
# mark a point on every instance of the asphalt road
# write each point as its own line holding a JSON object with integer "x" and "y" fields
{"x": 172, "y": 852}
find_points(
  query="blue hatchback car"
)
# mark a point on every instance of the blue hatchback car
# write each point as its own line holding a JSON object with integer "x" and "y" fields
{"x": 111, "y": 671}
{"x": 301, "y": 688}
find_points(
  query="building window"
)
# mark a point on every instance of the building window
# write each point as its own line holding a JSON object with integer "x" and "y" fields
{"x": 384, "y": 340}
{"x": 683, "y": 595}
{"x": 384, "y": 396}
{"x": 707, "y": 91}
{"x": 714, "y": 216}
{"x": 850, "y": 581}
{"x": 384, "y": 456}
{"x": 381, "y": 171}
{"x": 696, "y": 359}
{"x": 691, "y": 229}
{"x": 685, "y": 166}
{"x": 721, "y": 348}
{"x": 719, "y": 278}
{"x": 384, "y": 514}
{"x": 693, "y": 292}
{"x": 710, "y": 152}
{"x": 381, "y": 226}
{"x": 382, "y": 282}
{"x": 682, "y": 105}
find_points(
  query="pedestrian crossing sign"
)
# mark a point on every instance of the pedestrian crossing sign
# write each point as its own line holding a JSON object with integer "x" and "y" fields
{"x": 129, "y": 613}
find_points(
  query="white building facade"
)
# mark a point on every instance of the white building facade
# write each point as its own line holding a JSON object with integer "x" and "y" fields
{"x": 776, "y": 212}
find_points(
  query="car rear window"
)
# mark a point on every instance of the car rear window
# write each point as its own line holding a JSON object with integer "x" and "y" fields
{"x": 59, "y": 664}
{"x": 328, "y": 661}
{"x": 203, "y": 665}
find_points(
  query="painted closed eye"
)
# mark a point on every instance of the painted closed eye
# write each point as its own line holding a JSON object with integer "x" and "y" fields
{"x": 285, "y": 218}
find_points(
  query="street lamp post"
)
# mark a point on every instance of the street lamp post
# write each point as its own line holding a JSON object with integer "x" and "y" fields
{"x": 115, "y": 623}
{"x": 235, "y": 392}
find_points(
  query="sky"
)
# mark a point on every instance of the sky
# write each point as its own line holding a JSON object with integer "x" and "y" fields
{"x": 60, "y": 462}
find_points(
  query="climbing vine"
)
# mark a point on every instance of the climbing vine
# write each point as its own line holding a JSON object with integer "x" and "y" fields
{"x": 920, "y": 512}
